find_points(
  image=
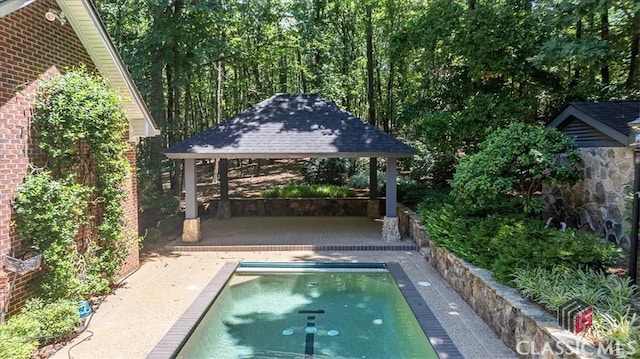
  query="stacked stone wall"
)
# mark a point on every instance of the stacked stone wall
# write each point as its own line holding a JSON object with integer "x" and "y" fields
{"x": 598, "y": 201}
{"x": 526, "y": 328}
{"x": 286, "y": 207}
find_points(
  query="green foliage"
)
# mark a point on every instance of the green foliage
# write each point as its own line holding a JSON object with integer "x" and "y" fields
{"x": 38, "y": 323}
{"x": 519, "y": 158}
{"x": 503, "y": 240}
{"x": 49, "y": 213}
{"x": 334, "y": 171}
{"x": 308, "y": 191}
{"x": 81, "y": 125}
{"x": 361, "y": 180}
{"x": 615, "y": 319}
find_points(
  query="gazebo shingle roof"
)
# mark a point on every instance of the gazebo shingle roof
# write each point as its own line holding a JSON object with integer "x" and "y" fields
{"x": 291, "y": 126}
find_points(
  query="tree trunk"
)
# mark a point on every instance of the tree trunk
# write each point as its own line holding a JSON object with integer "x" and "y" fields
{"x": 158, "y": 111}
{"x": 373, "y": 162}
{"x": 633, "y": 77}
{"x": 604, "y": 35}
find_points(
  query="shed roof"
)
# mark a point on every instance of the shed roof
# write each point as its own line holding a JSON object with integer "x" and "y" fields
{"x": 597, "y": 124}
{"x": 291, "y": 126}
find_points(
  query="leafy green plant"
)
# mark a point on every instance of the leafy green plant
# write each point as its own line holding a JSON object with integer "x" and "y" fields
{"x": 334, "y": 171}
{"x": 48, "y": 215}
{"x": 519, "y": 158}
{"x": 81, "y": 126}
{"x": 37, "y": 323}
{"x": 503, "y": 240}
{"x": 361, "y": 180}
{"x": 615, "y": 319}
{"x": 308, "y": 191}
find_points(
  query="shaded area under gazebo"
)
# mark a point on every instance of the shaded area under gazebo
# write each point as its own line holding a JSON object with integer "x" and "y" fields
{"x": 288, "y": 126}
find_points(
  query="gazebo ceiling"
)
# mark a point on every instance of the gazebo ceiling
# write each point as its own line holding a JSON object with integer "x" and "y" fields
{"x": 291, "y": 126}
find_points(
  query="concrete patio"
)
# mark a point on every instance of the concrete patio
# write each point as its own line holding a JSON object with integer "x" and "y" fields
{"x": 131, "y": 321}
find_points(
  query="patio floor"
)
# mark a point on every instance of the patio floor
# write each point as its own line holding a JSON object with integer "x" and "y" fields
{"x": 291, "y": 233}
{"x": 131, "y": 321}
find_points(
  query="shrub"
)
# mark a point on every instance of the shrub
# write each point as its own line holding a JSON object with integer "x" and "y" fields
{"x": 328, "y": 170}
{"x": 519, "y": 158}
{"x": 308, "y": 191}
{"x": 361, "y": 180}
{"x": 503, "y": 240}
{"x": 48, "y": 215}
{"x": 410, "y": 193}
{"x": 37, "y": 324}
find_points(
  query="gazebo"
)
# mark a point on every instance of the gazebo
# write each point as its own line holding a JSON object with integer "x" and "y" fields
{"x": 288, "y": 126}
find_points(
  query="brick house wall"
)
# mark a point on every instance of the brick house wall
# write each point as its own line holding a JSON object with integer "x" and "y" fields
{"x": 31, "y": 49}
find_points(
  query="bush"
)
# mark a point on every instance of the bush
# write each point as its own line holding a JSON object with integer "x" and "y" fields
{"x": 328, "y": 170}
{"x": 411, "y": 193}
{"x": 308, "y": 191}
{"x": 361, "y": 180}
{"x": 48, "y": 215}
{"x": 517, "y": 159}
{"x": 503, "y": 240}
{"x": 37, "y": 324}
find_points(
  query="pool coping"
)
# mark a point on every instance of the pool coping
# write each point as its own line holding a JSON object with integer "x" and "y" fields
{"x": 295, "y": 247}
{"x": 182, "y": 328}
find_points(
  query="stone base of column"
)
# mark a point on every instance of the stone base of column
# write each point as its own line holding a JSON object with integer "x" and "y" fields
{"x": 373, "y": 209}
{"x": 191, "y": 230}
{"x": 390, "y": 229}
{"x": 224, "y": 210}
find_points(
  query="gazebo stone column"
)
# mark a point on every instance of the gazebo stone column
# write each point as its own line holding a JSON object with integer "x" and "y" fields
{"x": 224, "y": 206}
{"x": 390, "y": 226}
{"x": 191, "y": 226}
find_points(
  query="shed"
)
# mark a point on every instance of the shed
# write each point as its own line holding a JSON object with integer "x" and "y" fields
{"x": 289, "y": 126}
{"x": 601, "y": 132}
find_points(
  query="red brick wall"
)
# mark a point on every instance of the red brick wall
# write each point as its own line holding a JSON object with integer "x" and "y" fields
{"x": 32, "y": 48}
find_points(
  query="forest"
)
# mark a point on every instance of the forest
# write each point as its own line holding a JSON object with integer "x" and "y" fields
{"x": 440, "y": 74}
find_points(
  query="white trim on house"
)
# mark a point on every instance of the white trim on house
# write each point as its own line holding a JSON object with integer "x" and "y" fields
{"x": 84, "y": 18}
{"x": 9, "y": 6}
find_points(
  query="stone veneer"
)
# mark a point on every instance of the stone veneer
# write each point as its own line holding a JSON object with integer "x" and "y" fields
{"x": 597, "y": 201}
{"x": 291, "y": 207}
{"x": 523, "y": 326}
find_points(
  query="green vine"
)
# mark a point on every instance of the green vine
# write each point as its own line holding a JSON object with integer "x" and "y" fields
{"x": 81, "y": 125}
{"x": 48, "y": 215}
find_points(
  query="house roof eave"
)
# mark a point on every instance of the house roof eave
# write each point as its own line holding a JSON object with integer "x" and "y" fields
{"x": 85, "y": 21}
{"x": 289, "y": 155}
{"x": 571, "y": 111}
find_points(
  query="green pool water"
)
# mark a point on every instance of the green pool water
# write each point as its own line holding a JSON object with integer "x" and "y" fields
{"x": 309, "y": 313}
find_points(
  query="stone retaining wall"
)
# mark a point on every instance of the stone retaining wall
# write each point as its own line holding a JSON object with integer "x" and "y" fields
{"x": 523, "y": 326}
{"x": 289, "y": 207}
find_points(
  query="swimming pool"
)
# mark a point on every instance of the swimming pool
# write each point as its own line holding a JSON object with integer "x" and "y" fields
{"x": 308, "y": 310}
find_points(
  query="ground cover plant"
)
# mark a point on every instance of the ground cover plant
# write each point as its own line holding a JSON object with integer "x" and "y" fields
{"x": 37, "y": 324}
{"x": 308, "y": 191}
{"x": 616, "y": 321}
